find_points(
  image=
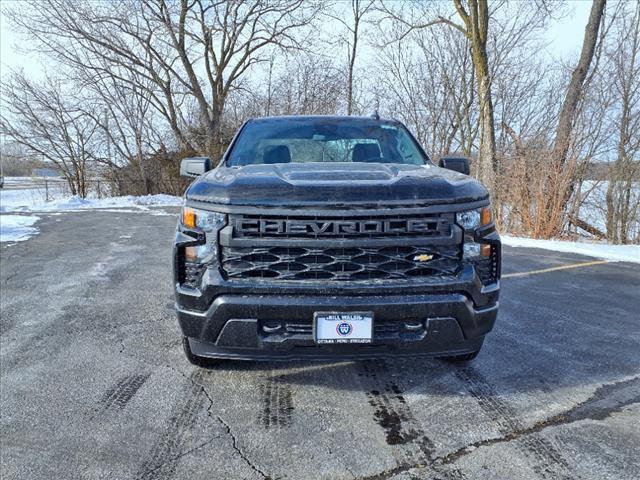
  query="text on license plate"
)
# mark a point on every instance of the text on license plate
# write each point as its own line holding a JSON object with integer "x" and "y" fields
{"x": 343, "y": 327}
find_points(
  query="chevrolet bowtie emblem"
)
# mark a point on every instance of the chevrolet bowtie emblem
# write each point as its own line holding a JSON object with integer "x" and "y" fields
{"x": 425, "y": 257}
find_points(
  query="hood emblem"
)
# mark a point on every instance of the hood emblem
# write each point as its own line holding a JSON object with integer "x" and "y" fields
{"x": 425, "y": 257}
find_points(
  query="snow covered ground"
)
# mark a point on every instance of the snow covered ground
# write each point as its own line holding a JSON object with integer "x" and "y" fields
{"x": 26, "y": 195}
{"x": 33, "y": 200}
{"x": 615, "y": 253}
{"x": 17, "y": 228}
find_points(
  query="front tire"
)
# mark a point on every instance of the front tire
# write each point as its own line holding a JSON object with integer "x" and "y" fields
{"x": 197, "y": 360}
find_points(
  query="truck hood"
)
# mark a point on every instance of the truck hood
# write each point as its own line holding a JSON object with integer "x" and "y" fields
{"x": 298, "y": 184}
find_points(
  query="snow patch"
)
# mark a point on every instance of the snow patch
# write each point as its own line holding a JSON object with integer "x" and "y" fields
{"x": 17, "y": 228}
{"x": 30, "y": 200}
{"x": 615, "y": 253}
{"x": 140, "y": 203}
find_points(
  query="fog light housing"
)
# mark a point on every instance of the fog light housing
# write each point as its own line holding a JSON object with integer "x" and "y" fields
{"x": 476, "y": 250}
{"x": 199, "y": 252}
{"x": 471, "y": 250}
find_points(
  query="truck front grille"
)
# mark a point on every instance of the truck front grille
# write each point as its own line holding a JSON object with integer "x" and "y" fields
{"x": 340, "y": 264}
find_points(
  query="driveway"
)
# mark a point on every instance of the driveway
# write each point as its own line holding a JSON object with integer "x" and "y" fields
{"x": 94, "y": 383}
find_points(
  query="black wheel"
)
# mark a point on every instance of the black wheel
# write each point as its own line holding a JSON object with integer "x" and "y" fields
{"x": 198, "y": 361}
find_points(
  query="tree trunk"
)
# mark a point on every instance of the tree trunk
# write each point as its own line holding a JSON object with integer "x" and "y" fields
{"x": 574, "y": 91}
{"x": 357, "y": 15}
{"x": 352, "y": 61}
{"x": 72, "y": 185}
{"x": 141, "y": 168}
{"x": 476, "y": 22}
{"x": 625, "y": 204}
{"x": 564, "y": 130}
{"x": 612, "y": 216}
{"x": 487, "y": 153}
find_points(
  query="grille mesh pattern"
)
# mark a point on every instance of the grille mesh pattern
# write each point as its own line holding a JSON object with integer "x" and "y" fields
{"x": 340, "y": 264}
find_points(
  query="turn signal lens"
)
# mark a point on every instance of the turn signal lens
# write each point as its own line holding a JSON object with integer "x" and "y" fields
{"x": 485, "y": 216}
{"x": 485, "y": 250}
{"x": 203, "y": 219}
{"x": 189, "y": 217}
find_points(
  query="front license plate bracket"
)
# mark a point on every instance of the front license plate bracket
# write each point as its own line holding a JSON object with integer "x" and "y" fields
{"x": 343, "y": 327}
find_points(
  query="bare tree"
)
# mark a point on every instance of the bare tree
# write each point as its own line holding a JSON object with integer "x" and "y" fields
{"x": 188, "y": 49}
{"x": 575, "y": 88}
{"x": 475, "y": 27}
{"x": 427, "y": 81}
{"x": 43, "y": 119}
{"x": 561, "y": 181}
{"x": 352, "y": 25}
{"x": 128, "y": 123}
{"x": 623, "y": 203}
{"x": 305, "y": 84}
{"x": 475, "y": 24}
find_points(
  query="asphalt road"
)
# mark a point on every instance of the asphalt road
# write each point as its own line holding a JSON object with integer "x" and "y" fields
{"x": 94, "y": 385}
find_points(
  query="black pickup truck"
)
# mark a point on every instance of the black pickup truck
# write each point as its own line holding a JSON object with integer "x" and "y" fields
{"x": 333, "y": 238}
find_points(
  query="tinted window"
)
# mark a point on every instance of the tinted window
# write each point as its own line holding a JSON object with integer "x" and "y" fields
{"x": 323, "y": 140}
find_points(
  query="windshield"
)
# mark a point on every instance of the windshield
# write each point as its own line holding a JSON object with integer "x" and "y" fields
{"x": 324, "y": 140}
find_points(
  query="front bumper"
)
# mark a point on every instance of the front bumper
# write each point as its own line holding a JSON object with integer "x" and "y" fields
{"x": 281, "y": 326}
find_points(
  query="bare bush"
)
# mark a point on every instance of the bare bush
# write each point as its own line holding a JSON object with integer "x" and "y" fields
{"x": 184, "y": 51}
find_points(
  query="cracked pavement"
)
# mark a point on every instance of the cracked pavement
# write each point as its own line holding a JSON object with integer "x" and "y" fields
{"x": 93, "y": 382}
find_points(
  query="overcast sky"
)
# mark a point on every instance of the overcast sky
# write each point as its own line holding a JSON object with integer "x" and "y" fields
{"x": 565, "y": 37}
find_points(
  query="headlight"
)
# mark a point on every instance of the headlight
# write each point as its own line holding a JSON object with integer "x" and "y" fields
{"x": 205, "y": 220}
{"x": 472, "y": 219}
{"x": 210, "y": 223}
{"x": 473, "y": 250}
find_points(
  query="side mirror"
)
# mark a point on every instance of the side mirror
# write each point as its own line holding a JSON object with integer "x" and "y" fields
{"x": 457, "y": 164}
{"x": 194, "y": 166}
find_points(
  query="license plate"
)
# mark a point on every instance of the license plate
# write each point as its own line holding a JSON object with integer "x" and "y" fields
{"x": 343, "y": 327}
